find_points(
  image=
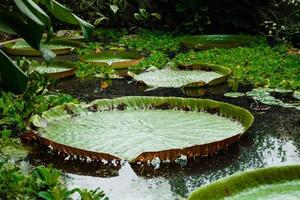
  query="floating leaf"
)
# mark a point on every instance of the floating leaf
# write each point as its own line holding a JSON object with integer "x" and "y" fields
{"x": 134, "y": 128}
{"x": 115, "y": 59}
{"x": 264, "y": 96}
{"x": 56, "y": 69}
{"x": 215, "y": 41}
{"x": 55, "y": 46}
{"x": 190, "y": 76}
{"x": 259, "y": 184}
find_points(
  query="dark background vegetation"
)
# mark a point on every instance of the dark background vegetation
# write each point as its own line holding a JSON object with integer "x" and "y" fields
{"x": 193, "y": 16}
{"x": 189, "y": 16}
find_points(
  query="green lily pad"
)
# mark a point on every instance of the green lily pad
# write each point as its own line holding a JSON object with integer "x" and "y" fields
{"x": 142, "y": 128}
{"x": 215, "y": 41}
{"x": 261, "y": 184}
{"x": 114, "y": 59}
{"x": 58, "y": 46}
{"x": 189, "y": 76}
{"x": 264, "y": 96}
{"x": 56, "y": 69}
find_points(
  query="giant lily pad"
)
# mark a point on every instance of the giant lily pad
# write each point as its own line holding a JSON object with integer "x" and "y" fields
{"x": 260, "y": 184}
{"x": 140, "y": 129}
{"x": 115, "y": 59}
{"x": 186, "y": 76}
{"x": 56, "y": 69}
{"x": 58, "y": 46}
{"x": 215, "y": 41}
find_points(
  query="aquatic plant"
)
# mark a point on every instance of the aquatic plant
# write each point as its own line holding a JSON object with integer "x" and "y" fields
{"x": 266, "y": 183}
{"x": 197, "y": 75}
{"x": 124, "y": 137}
{"x": 114, "y": 59}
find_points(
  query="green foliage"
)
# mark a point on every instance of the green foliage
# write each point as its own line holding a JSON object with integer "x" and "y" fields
{"x": 151, "y": 40}
{"x": 64, "y": 14}
{"x": 259, "y": 65}
{"x": 144, "y": 16}
{"x": 41, "y": 183}
{"x": 57, "y": 193}
{"x": 190, "y": 16}
{"x": 17, "y": 109}
{"x": 31, "y": 22}
{"x": 5, "y": 138}
{"x": 86, "y": 70}
{"x": 156, "y": 59}
{"x": 11, "y": 149}
{"x": 48, "y": 177}
{"x": 89, "y": 49}
{"x": 97, "y": 194}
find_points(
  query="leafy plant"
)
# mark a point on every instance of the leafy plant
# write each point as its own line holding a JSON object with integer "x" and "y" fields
{"x": 281, "y": 19}
{"x": 57, "y": 193}
{"x": 17, "y": 109}
{"x": 47, "y": 177}
{"x": 96, "y": 194}
{"x": 156, "y": 59}
{"x": 144, "y": 16}
{"x": 42, "y": 182}
{"x": 30, "y": 22}
{"x": 5, "y": 137}
{"x": 86, "y": 70}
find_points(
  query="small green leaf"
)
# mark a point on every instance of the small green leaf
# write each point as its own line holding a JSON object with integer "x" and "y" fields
{"x": 114, "y": 8}
{"x": 137, "y": 16}
{"x": 156, "y": 15}
{"x": 45, "y": 195}
{"x": 143, "y": 13}
{"x": 99, "y": 20}
{"x": 64, "y": 14}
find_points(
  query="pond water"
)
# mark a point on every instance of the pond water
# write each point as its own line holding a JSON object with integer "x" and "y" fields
{"x": 273, "y": 139}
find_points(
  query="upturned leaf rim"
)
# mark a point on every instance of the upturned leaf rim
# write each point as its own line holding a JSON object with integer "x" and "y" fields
{"x": 135, "y": 57}
{"x": 238, "y": 182}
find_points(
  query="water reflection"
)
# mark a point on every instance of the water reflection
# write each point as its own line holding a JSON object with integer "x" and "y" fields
{"x": 126, "y": 186}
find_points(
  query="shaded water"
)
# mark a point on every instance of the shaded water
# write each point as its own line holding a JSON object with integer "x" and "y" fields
{"x": 273, "y": 139}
